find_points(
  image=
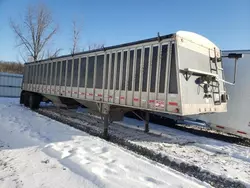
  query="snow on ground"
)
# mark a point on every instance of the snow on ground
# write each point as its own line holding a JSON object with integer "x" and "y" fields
{"x": 221, "y": 158}
{"x": 228, "y": 160}
{"x": 36, "y": 151}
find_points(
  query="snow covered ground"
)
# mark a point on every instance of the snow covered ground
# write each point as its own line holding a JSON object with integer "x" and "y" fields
{"x": 230, "y": 161}
{"x": 225, "y": 159}
{"x": 36, "y": 151}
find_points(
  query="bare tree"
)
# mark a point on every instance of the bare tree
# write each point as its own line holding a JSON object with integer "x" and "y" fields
{"x": 76, "y": 37}
{"x": 35, "y": 31}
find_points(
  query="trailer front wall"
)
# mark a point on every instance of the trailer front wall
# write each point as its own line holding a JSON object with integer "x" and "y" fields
{"x": 10, "y": 84}
{"x": 141, "y": 76}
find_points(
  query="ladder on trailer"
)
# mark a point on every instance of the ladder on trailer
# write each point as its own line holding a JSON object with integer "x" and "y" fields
{"x": 215, "y": 83}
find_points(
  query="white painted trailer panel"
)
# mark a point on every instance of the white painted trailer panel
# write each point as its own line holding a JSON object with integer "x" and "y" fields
{"x": 237, "y": 118}
{"x": 10, "y": 84}
{"x": 151, "y": 74}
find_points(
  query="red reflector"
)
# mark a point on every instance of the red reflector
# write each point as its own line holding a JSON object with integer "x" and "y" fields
{"x": 151, "y": 101}
{"x": 99, "y": 95}
{"x": 110, "y": 97}
{"x": 136, "y": 99}
{"x": 90, "y": 94}
{"x": 122, "y": 97}
{"x": 173, "y": 103}
{"x": 221, "y": 127}
{"x": 241, "y": 132}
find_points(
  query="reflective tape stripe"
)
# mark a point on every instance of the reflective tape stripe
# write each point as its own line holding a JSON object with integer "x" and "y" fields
{"x": 173, "y": 103}
{"x": 241, "y": 132}
{"x": 221, "y": 127}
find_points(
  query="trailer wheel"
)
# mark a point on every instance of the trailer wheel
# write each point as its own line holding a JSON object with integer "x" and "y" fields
{"x": 26, "y": 99}
{"x": 22, "y": 97}
{"x": 34, "y": 101}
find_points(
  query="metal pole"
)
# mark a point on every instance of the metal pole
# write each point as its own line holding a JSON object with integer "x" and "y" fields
{"x": 106, "y": 124}
{"x": 150, "y": 59}
{"x": 146, "y": 127}
{"x": 235, "y": 70}
{"x": 121, "y": 75}
{"x": 104, "y": 75}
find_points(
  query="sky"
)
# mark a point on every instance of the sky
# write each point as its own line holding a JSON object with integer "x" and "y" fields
{"x": 111, "y": 22}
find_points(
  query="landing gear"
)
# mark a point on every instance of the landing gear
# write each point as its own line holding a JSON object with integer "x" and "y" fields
{"x": 146, "y": 125}
{"x": 141, "y": 115}
{"x": 106, "y": 124}
{"x": 105, "y": 108}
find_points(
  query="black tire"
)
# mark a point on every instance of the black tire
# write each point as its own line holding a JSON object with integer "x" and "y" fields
{"x": 22, "y": 97}
{"x": 34, "y": 101}
{"x": 26, "y": 99}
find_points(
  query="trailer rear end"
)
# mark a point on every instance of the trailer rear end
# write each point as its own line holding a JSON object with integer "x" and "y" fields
{"x": 237, "y": 118}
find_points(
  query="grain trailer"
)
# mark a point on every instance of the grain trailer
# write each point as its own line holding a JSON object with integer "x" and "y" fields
{"x": 179, "y": 74}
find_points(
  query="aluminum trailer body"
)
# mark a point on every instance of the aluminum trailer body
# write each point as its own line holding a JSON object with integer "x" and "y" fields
{"x": 10, "y": 84}
{"x": 237, "y": 118}
{"x": 180, "y": 73}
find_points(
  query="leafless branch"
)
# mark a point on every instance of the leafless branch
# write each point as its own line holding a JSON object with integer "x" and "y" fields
{"x": 53, "y": 54}
{"x": 56, "y": 53}
{"x": 35, "y": 31}
{"x": 21, "y": 55}
{"x": 76, "y": 37}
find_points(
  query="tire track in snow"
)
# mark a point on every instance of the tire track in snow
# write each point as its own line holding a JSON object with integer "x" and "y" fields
{"x": 118, "y": 136}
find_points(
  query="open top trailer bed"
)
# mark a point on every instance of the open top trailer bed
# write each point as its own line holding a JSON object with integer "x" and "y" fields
{"x": 180, "y": 74}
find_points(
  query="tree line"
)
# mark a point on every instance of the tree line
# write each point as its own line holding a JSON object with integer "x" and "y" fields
{"x": 11, "y": 67}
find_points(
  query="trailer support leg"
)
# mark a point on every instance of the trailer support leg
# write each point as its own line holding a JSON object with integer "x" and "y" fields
{"x": 106, "y": 124}
{"x": 146, "y": 125}
{"x": 105, "y": 110}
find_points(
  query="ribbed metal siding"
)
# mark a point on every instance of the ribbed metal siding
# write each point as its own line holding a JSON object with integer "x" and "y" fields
{"x": 125, "y": 76}
{"x": 10, "y": 84}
